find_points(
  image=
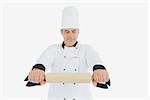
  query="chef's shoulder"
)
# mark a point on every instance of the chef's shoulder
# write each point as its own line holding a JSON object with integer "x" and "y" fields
{"x": 52, "y": 48}
{"x": 88, "y": 48}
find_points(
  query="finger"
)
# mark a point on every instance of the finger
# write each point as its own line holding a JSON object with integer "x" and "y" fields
{"x": 94, "y": 77}
{"x": 36, "y": 76}
{"x": 94, "y": 82}
{"x": 41, "y": 77}
{"x": 97, "y": 77}
{"x": 32, "y": 77}
{"x": 104, "y": 77}
{"x": 101, "y": 79}
{"x": 29, "y": 76}
{"x": 107, "y": 76}
{"x": 43, "y": 82}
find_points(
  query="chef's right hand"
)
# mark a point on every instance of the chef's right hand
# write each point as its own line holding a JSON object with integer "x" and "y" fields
{"x": 37, "y": 76}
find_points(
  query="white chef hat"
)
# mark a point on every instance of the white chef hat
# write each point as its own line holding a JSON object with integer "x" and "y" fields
{"x": 70, "y": 17}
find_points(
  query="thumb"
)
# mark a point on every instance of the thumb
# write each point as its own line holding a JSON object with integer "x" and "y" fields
{"x": 94, "y": 82}
{"x": 43, "y": 82}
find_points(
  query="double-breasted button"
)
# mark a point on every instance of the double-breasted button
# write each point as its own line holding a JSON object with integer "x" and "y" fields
{"x": 64, "y": 69}
{"x": 63, "y": 83}
{"x": 64, "y": 56}
{"x": 75, "y": 69}
{"x": 74, "y": 83}
{"x": 64, "y": 98}
{"x": 74, "y": 99}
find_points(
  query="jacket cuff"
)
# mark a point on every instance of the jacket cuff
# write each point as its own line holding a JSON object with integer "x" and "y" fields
{"x": 98, "y": 67}
{"x": 39, "y": 66}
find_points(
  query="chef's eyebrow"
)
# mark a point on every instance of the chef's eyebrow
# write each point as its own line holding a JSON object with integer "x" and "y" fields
{"x": 76, "y": 29}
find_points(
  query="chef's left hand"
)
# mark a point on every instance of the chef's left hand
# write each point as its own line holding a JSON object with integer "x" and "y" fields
{"x": 100, "y": 76}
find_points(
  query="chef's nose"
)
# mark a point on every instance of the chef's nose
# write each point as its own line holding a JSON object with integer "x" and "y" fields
{"x": 70, "y": 32}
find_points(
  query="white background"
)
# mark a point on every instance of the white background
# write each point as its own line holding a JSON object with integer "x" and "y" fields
{"x": 117, "y": 30}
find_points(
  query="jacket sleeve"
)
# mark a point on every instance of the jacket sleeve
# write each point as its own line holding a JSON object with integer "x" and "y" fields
{"x": 47, "y": 57}
{"x": 44, "y": 62}
{"x": 92, "y": 57}
{"x": 94, "y": 62}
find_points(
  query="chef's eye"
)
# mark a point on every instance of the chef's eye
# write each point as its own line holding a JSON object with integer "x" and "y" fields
{"x": 73, "y": 31}
{"x": 66, "y": 31}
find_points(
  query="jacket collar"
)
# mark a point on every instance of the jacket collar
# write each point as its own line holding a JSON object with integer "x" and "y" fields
{"x": 63, "y": 44}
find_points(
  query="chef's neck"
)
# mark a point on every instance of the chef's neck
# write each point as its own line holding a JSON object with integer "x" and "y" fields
{"x": 69, "y": 44}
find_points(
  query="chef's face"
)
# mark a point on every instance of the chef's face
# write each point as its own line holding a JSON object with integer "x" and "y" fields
{"x": 70, "y": 35}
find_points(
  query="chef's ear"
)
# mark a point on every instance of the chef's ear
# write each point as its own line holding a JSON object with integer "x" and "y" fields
{"x": 78, "y": 31}
{"x": 61, "y": 31}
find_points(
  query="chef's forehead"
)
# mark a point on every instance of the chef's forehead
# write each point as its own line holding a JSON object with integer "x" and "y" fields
{"x": 69, "y": 29}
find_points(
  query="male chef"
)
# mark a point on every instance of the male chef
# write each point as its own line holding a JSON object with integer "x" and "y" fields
{"x": 69, "y": 56}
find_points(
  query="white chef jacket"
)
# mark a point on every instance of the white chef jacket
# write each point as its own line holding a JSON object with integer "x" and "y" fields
{"x": 79, "y": 58}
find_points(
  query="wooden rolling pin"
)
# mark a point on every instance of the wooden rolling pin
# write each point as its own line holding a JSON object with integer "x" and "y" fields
{"x": 68, "y": 77}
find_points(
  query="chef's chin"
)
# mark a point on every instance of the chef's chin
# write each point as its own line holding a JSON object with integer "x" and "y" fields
{"x": 71, "y": 41}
